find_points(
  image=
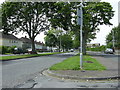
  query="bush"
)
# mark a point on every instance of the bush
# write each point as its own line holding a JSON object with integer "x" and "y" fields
{"x": 101, "y": 48}
{"x": 109, "y": 45}
{"x": 3, "y": 49}
{"x": 6, "y": 49}
{"x": 11, "y": 49}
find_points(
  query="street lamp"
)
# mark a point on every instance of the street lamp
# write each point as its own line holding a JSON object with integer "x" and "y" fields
{"x": 80, "y": 22}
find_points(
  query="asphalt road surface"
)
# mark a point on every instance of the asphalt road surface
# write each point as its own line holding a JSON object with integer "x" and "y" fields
{"x": 26, "y": 73}
{"x": 18, "y": 71}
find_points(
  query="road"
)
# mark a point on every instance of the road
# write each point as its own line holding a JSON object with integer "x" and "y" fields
{"x": 18, "y": 71}
{"x": 26, "y": 73}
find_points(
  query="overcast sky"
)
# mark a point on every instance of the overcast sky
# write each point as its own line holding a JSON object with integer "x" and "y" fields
{"x": 104, "y": 30}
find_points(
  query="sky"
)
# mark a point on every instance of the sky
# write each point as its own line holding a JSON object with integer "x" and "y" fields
{"x": 104, "y": 30}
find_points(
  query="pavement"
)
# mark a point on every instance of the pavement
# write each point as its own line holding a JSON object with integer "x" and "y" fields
{"x": 110, "y": 73}
{"x": 117, "y": 52}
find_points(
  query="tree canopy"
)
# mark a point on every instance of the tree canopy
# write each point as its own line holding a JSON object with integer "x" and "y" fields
{"x": 0, "y": 17}
{"x": 109, "y": 39}
{"x": 50, "y": 40}
{"x": 66, "y": 42}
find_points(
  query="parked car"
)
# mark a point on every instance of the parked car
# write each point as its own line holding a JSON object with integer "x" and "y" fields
{"x": 19, "y": 51}
{"x": 29, "y": 50}
{"x": 109, "y": 51}
{"x": 72, "y": 50}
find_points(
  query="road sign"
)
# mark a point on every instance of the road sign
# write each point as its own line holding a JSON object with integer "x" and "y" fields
{"x": 79, "y": 17}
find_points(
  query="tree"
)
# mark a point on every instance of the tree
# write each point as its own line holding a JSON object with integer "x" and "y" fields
{"x": 66, "y": 42}
{"x": 0, "y": 17}
{"x": 8, "y": 11}
{"x": 28, "y": 17}
{"x": 57, "y": 33}
{"x": 50, "y": 40}
{"x": 109, "y": 38}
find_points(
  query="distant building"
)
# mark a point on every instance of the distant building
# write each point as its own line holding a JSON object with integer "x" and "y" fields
{"x": 93, "y": 45}
{"x": 39, "y": 45}
{"x": 9, "y": 40}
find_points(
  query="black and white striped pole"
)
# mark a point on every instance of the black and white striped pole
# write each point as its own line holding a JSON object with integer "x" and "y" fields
{"x": 80, "y": 22}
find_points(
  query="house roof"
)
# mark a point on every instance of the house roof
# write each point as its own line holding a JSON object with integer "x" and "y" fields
{"x": 23, "y": 39}
{"x": 27, "y": 40}
{"x": 8, "y": 36}
{"x": 39, "y": 43}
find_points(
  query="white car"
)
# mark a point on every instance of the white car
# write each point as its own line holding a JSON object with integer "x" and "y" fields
{"x": 29, "y": 50}
{"x": 109, "y": 51}
{"x": 71, "y": 50}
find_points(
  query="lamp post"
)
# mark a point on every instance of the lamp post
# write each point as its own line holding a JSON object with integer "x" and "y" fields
{"x": 80, "y": 22}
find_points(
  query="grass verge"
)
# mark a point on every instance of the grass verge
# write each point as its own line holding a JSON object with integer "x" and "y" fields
{"x": 73, "y": 63}
{"x": 26, "y": 56}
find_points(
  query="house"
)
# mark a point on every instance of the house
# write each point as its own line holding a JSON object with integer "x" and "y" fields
{"x": 39, "y": 46}
{"x": 9, "y": 40}
{"x": 23, "y": 42}
{"x": 27, "y": 44}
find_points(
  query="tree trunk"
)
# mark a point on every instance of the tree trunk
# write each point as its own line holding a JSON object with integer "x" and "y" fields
{"x": 63, "y": 49}
{"x": 59, "y": 48}
{"x": 84, "y": 43}
{"x": 51, "y": 49}
{"x": 84, "y": 47}
{"x": 33, "y": 47}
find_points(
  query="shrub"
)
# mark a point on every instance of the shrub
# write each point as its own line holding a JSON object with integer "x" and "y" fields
{"x": 3, "y": 49}
{"x": 11, "y": 49}
{"x": 6, "y": 49}
{"x": 101, "y": 48}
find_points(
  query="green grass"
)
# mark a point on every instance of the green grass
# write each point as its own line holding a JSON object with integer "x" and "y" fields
{"x": 7, "y": 53}
{"x": 25, "y": 56}
{"x": 73, "y": 63}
